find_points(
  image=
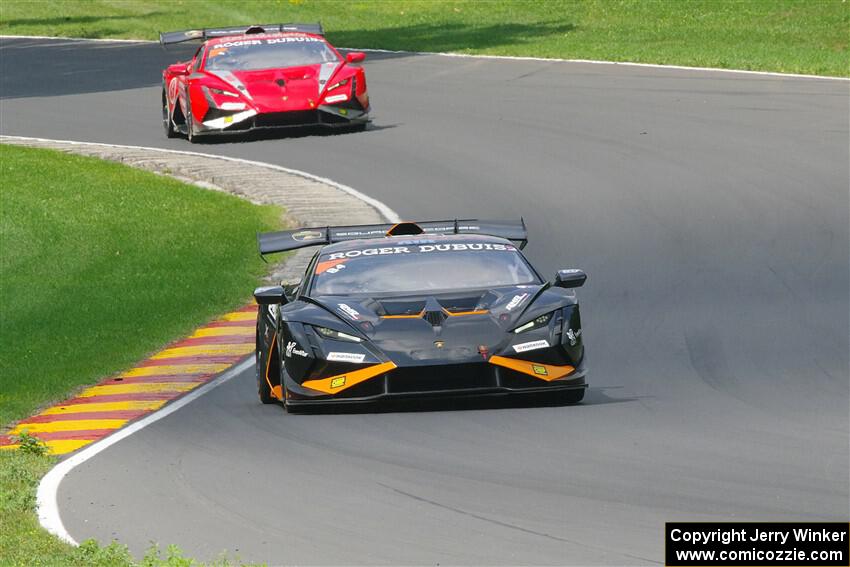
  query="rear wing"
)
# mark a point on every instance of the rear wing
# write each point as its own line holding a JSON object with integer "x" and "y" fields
{"x": 284, "y": 240}
{"x": 166, "y": 38}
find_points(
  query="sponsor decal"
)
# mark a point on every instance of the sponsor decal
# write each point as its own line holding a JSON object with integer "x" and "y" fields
{"x": 354, "y": 357}
{"x": 290, "y": 39}
{"x": 292, "y": 348}
{"x": 240, "y": 43}
{"x": 273, "y": 312}
{"x": 332, "y": 266}
{"x": 533, "y": 345}
{"x": 516, "y": 301}
{"x": 539, "y": 369}
{"x": 338, "y": 382}
{"x": 305, "y": 235}
{"x": 573, "y": 336}
{"x": 350, "y": 311}
{"x": 172, "y": 89}
{"x": 422, "y": 249}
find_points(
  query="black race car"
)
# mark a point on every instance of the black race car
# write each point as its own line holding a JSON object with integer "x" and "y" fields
{"x": 430, "y": 308}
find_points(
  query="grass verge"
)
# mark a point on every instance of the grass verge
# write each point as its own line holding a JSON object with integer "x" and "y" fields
{"x": 792, "y": 36}
{"x": 103, "y": 264}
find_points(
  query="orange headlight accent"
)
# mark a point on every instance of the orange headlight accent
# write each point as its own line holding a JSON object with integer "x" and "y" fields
{"x": 547, "y": 372}
{"x": 340, "y": 382}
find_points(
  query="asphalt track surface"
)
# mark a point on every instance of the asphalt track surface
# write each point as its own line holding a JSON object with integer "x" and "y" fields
{"x": 711, "y": 213}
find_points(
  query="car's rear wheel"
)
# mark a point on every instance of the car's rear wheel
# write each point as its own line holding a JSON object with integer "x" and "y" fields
{"x": 167, "y": 123}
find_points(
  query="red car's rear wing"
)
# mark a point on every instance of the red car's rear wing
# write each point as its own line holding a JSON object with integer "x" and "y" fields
{"x": 271, "y": 242}
{"x": 166, "y": 38}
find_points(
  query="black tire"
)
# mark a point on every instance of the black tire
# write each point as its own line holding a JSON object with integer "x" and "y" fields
{"x": 190, "y": 123}
{"x": 264, "y": 391}
{"x": 167, "y": 123}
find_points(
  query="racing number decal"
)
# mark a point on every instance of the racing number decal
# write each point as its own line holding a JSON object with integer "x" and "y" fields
{"x": 172, "y": 89}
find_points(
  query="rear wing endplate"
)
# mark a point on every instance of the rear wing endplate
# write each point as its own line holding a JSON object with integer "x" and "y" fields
{"x": 284, "y": 240}
{"x": 166, "y": 38}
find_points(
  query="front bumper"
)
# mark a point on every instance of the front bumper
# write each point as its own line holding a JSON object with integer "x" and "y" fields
{"x": 248, "y": 120}
{"x": 478, "y": 379}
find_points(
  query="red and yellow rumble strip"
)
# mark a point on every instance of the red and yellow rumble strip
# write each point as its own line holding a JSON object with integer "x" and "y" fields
{"x": 103, "y": 408}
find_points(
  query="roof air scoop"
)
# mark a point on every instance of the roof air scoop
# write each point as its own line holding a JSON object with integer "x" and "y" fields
{"x": 255, "y": 29}
{"x": 405, "y": 229}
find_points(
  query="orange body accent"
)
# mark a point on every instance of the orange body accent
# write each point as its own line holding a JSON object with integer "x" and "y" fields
{"x": 547, "y": 372}
{"x": 322, "y": 267}
{"x": 268, "y": 363}
{"x": 465, "y": 313}
{"x": 340, "y": 382}
{"x": 449, "y": 313}
{"x": 277, "y": 392}
{"x": 416, "y": 316}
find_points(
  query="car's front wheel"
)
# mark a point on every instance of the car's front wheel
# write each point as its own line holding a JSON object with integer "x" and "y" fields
{"x": 264, "y": 389}
{"x": 191, "y": 135}
{"x": 167, "y": 123}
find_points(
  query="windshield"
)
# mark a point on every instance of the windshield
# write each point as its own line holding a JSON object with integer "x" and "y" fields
{"x": 421, "y": 267}
{"x": 253, "y": 54}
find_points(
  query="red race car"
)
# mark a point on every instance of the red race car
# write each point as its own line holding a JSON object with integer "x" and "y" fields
{"x": 266, "y": 76}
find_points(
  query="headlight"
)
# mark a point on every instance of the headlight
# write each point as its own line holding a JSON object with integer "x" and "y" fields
{"x": 342, "y": 83}
{"x": 537, "y": 323}
{"x": 221, "y": 92}
{"x": 337, "y": 335}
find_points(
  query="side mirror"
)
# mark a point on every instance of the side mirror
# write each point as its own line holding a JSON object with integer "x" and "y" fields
{"x": 355, "y": 57}
{"x": 269, "y": 295}
{"x": 570, "y": 278}
{"x": 290, "y": 290}
{"x": 179, "y": 69}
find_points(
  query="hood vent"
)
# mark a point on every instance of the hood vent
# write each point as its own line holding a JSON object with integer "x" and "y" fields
{"x": 436, "y": 318}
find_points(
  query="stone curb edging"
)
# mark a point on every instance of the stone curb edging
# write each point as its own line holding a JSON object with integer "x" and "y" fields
{"x": 308, "y": 200}
{"x": 214, "y": 354}
{"x": 100, "y": 410}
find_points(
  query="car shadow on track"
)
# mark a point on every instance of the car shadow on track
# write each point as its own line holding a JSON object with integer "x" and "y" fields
{"x": 287, "y": 133}
{"x": 593, "y": 397}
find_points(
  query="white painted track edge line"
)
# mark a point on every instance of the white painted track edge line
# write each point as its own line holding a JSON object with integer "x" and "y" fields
{"x": 497, "y": 58}
{"x": 47, "y": 504}
{"x": 389, "y": 214}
